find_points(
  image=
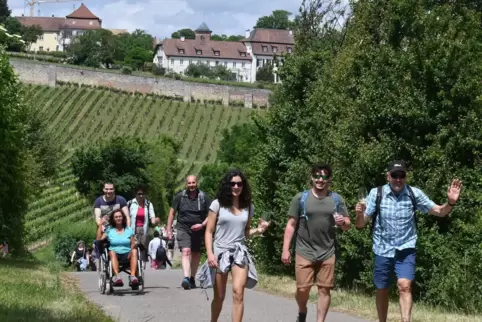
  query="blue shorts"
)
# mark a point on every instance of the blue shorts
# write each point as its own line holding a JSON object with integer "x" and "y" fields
{"x": 403, "y": 264}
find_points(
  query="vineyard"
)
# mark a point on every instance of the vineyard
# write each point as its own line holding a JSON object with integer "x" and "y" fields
{"x": 85, "y": 115}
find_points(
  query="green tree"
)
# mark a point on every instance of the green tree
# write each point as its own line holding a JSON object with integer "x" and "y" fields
{"x": 279, "y": 19}
{"x": 127, "y": 42}
{"x": 137, "y": 56}
{"x": 399, "y": 81}
{"x": 186, "y": 33}
{"x": 226, "y": 38}
{"x": 31, "y": 34}
{"x": 94, "y": 48}
{"x": 4, "y": 11}
{"x": 127, "y": 162}
{"x": 265, "y": 73}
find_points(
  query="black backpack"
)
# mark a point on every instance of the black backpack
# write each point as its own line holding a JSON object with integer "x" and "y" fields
{"x": 161, "y": 255}
{"x": 379, "y": 200}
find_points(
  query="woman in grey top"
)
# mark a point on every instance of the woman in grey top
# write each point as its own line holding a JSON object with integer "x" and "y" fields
{"x": 229, "y": 218}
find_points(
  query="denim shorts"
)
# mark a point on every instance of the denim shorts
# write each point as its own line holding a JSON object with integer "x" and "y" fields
{"x": 403, "y": 265}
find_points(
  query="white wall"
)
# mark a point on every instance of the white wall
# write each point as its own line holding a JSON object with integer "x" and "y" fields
{"x": 242, "y": 68}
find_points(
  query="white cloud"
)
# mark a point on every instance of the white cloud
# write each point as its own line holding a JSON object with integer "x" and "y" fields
{"x": 162, "y": 17}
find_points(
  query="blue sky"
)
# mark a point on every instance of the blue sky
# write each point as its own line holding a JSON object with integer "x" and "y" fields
{"x": 161, "y": 17}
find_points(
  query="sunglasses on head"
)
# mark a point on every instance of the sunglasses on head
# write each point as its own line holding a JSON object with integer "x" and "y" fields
{"x": 238, "y": 183}
{"x": 398, "y": 175}
{"x": 321, "y": 176}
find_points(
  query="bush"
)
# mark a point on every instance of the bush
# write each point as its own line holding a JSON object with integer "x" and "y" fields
{"x": 67, "y": 236}
{"x": 158, "y": 71}
{"x": 126, "y": 70}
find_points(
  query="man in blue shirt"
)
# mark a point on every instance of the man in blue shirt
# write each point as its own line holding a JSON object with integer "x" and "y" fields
{"x": 395, "y": 235}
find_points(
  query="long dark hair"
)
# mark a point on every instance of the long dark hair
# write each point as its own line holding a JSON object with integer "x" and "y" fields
{"x": 225, "y": 195}
{"x": 112, "y": 221}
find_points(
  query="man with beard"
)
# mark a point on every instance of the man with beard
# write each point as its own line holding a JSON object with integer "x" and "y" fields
{"x": 314, "y": 216}
{"x": 106, "y": 204}
{"x": 392, "y": 210}
{"x": 192, "y": 207}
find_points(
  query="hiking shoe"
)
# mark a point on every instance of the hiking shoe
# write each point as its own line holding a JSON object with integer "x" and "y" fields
{"x": 192, "y": 282}
{"x": 117, "y": 281}
{"x": 301, "y": 317}
{"x": 186, "y": 284}
{"x": 133, "y": 281}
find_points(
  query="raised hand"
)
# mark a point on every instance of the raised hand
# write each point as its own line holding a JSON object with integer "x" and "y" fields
{"x": 453, "y": 192}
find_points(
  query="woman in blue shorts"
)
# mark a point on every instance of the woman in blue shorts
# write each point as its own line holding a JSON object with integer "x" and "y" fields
{"x": 122, "y": 246}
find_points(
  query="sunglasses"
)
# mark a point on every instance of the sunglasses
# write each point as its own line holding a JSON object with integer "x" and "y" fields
{"x": 396, "y": 175}
{"x": 140, "y": 193}
{"x": 321, "y": 176}
{"x": 238, "y": 183}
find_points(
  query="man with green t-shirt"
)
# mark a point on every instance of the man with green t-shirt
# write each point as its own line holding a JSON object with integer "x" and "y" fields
{"x": 314, "y": 216}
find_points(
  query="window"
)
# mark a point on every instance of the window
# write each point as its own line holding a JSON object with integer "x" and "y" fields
{"x": 265, "y": 49}
{"x": 41, "y": 48}
{"x": 207, "y": 62}
{"x": 275, "y": 49}
{"x": 190, "y": 62}
{"x": 181, "y": 51}
{"x": 181, "y": 62}
{"x": 290, "y": 49}
{"x": 243, "y": 54}
{"x": 172, "y": 61}
{"x": 216, "y": 53}
{"x": 217, "y": 63}
{"x": 199, "y": 52}
{"x": 234, "y": 64}
{"x": 225, "y": 64}
{"x": 242, "y": 64}
{"x": 41, "y": 37}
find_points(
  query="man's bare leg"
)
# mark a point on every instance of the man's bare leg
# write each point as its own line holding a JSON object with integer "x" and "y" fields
{"x": 382, "y": 304}
{"x": 323, "y": 305}
{"x": 406, "y": 302}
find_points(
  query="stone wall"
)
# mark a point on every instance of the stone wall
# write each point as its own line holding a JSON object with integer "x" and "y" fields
{"x": 40, "y": 73}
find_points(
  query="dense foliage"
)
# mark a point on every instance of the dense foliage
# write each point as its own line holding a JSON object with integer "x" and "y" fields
{"x": 27, "y": 158}
{"x": 395, "y": 79}
{"x": 128, "y": 162}
{"x": 66, "y": 238}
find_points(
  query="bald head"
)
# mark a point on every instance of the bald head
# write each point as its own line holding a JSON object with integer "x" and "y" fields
{"x": 191, "y": 182}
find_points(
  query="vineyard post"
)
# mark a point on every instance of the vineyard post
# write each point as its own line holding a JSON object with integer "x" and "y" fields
{"x": 225, "y": 95}
{"x": 248, "y": 100}
{"x": 187, "y": 93}
{"x": 52, "y": 75}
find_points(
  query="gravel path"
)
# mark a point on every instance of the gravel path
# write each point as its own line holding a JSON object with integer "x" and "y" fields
{"x": 165, "y": 300}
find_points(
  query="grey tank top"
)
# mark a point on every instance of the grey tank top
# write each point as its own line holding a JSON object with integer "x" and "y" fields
{"x": 230, "y": 228}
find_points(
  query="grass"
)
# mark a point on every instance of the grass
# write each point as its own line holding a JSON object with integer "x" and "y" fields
{"x": 37, "y": 290}
{"x": 361, "y": 305}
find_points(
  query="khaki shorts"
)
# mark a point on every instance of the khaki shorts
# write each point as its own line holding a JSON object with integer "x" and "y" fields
{"x": 307, "y": 271}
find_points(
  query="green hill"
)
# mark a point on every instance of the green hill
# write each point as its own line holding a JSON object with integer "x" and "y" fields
{"x": 85, "y": 115}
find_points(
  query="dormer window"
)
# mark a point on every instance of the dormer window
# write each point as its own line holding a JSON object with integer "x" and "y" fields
{"x": 290, "y": 49}
{"x": 199, "y": 52}
{"x": 243, "y": 54}
{"x": 265, "y": 49}
{"x": 181, "y": 51}
{"x": 216, "y": 53}
{"x": 275, "y": 49}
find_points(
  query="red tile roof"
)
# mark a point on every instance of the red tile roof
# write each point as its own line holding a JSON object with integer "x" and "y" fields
{"x": 257, "y": 49}
{"x": 57, "y": 24}
{"x": 82, "y": 12}
{"x": 227, "y": 49}
{"x": 275, "y": 36}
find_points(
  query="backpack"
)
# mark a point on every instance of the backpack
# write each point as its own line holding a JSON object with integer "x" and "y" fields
{"x": 302, "y": 213}
{"x": 379, "y": 200}
{"x": 200, "y": 199}
{"x": 161, "y": 255}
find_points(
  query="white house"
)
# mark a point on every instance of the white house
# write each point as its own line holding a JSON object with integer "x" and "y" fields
{"x": 243, "y": 58}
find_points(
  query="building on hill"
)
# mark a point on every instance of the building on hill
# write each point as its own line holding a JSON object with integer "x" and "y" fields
{"x": 242, "y": 58}
{"x": 59, "y": 31}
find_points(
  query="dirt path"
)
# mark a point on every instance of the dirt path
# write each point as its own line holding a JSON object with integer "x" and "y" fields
{"x": 165, "y": 300}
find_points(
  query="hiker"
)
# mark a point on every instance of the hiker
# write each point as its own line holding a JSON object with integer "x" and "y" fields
{"x": 80, "y": 257}
{"x": 313, "y": 217}
{"x": 141, "y": 213}
{"x": 192, "y": 206}
{"x": 391, "y": 208}
{"x": 229, "y": 219}
{"x": 154, "y": 244}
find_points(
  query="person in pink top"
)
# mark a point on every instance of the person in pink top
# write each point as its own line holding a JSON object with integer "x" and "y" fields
{"x": 141, "y": 212}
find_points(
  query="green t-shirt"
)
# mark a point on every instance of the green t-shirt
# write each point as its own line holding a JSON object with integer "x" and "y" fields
{"x": 315, "y": 241}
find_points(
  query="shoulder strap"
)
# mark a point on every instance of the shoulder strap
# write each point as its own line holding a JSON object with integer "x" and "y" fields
{"x": 200, "y": 200}
{"x": 378, "y": 200}
{"x": 301, "y": 213}
{"x": 336, "y": 199}
{"x": 303, "y": 198}
{"x": 414, "y": 203}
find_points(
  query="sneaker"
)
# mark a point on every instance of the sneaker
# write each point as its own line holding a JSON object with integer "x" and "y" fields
{"x": 301, "y": 317}
{"x": 192, "y": 281}
{"x": 117, "y": 281}
{"x": 186, "y": 284}
{"x": 133, "y": 281}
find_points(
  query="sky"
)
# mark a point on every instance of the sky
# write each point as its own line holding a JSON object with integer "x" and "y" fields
{"x": 162, "y": 17}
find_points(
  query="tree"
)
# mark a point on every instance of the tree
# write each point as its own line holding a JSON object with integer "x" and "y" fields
{"x": 127, "y": 162}
{"x": 398, "y": 79}
{"x": 226, "y": 38}
{"x": 94, "y": 48}
{"x": 265, "y": 73}
{"x": 31, "y": 34}
{"x": 126, "y": 42}
{"x": 137, "y": 56}
{"x": 279, "y": 19}
{"x": 186, "y": 33}
{"x": 4, "y": 11}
